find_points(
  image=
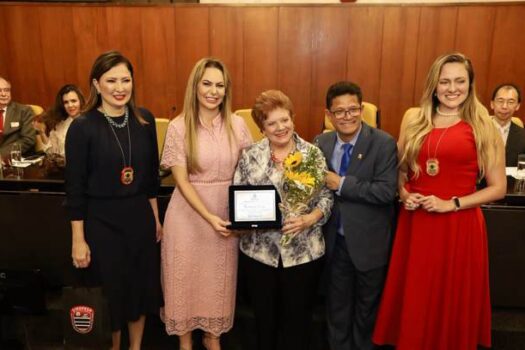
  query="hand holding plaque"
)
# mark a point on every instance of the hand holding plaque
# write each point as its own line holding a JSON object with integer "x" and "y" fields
{"x": 254, "y": 207}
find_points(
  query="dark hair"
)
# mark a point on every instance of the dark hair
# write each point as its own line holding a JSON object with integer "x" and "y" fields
{"x": 267, "y": 102}
{"x": 343, "y": 88}
{"x": 58, "y": 113}
{"x": 507, "y": 86}
{"x": 102, "y": 64}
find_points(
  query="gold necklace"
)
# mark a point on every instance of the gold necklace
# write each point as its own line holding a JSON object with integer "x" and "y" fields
{"x": 432, "y": 164}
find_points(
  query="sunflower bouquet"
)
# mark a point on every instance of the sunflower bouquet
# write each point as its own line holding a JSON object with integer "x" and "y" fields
{"x": 303, "y": 178}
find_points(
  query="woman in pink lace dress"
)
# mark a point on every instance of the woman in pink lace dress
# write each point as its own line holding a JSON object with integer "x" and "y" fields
{"x": 199, "y": 256}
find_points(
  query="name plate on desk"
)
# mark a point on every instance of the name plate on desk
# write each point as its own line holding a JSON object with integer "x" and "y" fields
{"x": 254, "y": 207}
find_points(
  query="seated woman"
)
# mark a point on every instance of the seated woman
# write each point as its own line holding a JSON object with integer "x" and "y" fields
{"x": 55, "y": 122}
{"x": 283, "y": 266}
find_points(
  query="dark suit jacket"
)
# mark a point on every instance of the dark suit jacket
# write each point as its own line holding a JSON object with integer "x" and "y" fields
{"x": 515, "y": 144}
{"x": 18, "y": 127}
{"x": 367, "y": 197}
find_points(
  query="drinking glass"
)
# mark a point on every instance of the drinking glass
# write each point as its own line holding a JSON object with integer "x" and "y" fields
{"x": 520, "y": 174}
{"x": 16, "y": 153}
{"x": 519, "y": 184}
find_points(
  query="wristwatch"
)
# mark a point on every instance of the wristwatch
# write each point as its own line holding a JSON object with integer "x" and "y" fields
{"x": 457, "y": 204}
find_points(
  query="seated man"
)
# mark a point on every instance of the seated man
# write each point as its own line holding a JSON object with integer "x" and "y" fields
{"x": 15, "y": 122}
{"x": 505, "y": 102}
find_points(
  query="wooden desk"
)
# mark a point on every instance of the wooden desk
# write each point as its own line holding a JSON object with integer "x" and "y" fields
{"x": 34, "y": 231}
{"x": 36, "y": 234}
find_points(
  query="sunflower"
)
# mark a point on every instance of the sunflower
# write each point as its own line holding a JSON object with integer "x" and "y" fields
{"x": 302, "y": 178}
{"x": 293, "y": 160}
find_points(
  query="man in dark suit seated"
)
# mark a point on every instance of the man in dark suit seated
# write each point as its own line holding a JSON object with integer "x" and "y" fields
{"x": 505, "y": 102}
{"x": 15, "y": 122}
{"x": 362, "y": 164}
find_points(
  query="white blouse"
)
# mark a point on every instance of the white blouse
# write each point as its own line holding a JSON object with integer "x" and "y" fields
{"x": 57, "y": 138}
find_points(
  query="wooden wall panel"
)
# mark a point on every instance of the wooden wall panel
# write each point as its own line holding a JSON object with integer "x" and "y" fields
{"x": 437, "y": 30}
{"x": 4, "y": 69}
{"x": 89, "y": 24}
{"x": 365, "y": 36}
{"x": 125, "y": 36}
{"x": 301, "y": 49}
{"x": 295, "y": 62}
{"x": 191, "y": 44}
{"x": 25, "y": 55}
{"x": 507, "y": 63}
{"x": 227, "y": 44}
{"x": 58, "y": 66}
{"x": 400, "y": 39}
{"x": 474, "y": 39}
{"x": 158, "y": 57}
{"x": 329, "y": 59}
{"x": 260, "y": 33}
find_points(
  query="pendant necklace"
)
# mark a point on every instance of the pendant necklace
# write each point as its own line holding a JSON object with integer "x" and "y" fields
{"x": 126, "y": 174}
{"x": 432, "y": 164}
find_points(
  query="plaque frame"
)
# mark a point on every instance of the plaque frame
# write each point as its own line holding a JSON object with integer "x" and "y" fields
{"x": 253, "y": 224}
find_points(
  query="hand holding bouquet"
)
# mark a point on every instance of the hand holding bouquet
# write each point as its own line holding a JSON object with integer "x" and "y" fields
{"x": 303, "y": 178}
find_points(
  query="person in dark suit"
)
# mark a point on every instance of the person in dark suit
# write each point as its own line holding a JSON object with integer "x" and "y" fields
{"x": 362, "y": 164}
{"x": 505, "y": 102}
{"x": 15, "y": 122}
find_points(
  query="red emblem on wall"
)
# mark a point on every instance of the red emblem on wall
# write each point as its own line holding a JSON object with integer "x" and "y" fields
{"x": 82, "y": 318}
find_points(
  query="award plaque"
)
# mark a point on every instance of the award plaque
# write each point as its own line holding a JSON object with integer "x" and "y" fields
{"x": 254, "y": 207}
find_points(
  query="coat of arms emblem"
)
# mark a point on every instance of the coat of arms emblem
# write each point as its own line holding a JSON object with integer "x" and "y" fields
{"x": 82, "y": 318}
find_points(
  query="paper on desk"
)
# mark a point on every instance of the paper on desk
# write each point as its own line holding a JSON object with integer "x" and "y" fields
{"x": 511, "y": 171}
{"x": 20, "y": 164}
{"x": 32, "y": 160}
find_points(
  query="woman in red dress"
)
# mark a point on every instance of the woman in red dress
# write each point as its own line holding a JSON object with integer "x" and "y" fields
{"x": 436, "y": 295}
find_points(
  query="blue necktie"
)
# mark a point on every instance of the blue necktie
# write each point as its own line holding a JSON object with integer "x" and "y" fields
{"x": 345, "y": 159}
{"x": 345, "y": 162}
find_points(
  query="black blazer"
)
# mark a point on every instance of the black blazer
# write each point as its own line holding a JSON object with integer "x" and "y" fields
{"x": 515, "y": 144}
{"x": 367, "y": 197}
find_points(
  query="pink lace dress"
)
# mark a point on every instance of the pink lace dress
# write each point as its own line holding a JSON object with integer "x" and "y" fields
{"x": 199, "y": 266}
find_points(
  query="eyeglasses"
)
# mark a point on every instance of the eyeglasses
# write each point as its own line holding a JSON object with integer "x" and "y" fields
{"x": 510, "y": 103}
{"x": 341, "y": 113}
{"x": 5, "y": 90}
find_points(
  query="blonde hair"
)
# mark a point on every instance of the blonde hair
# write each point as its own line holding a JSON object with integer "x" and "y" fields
{"x": 191, "y": 108}
{"x": 471, "y": 111}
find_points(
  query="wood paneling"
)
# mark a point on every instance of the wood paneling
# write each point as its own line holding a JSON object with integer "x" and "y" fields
{"x": 330, "y": 52}
{"x": 191, "y": 44}
{"x": 158, "y": 54}
{"x": 260, "y": 33}
{"x": 508, "y": 53}
{"x": 227, "y": 44}
{"x": 474, "y": 39}
{"x": 300, "y": 49}
{"x": 364, "y": 50}
{"x": 89, "y": 32}
{"x": 295, "y": 45}
{"x": 437, "y": 30}
{"x": 400, "y": 39}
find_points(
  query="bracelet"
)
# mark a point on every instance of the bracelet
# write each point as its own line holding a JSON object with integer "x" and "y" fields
{"x": 457, "y": 204}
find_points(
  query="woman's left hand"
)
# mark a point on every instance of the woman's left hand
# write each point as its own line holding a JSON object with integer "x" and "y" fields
{"x": 436, "y": 205}
{"x": 158, "y": 231}
{"x": 297, "y": 224}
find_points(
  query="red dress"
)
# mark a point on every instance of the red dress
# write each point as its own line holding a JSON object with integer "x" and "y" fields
{"x": 436, "y": 295}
